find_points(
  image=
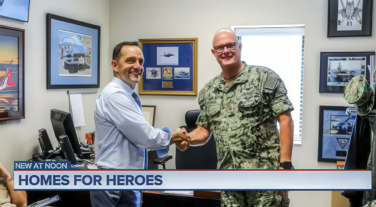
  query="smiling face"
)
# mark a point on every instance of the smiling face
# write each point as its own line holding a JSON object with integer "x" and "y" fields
{"x": 129, "y": 66}
{"x": 227, "y": 57}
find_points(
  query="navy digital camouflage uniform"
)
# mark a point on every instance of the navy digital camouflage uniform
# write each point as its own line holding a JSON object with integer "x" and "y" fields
{"x": 359, "y": 93}
{"x": 242, "y": 118}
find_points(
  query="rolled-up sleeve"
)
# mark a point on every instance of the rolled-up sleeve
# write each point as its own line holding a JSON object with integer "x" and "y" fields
{"x": 280, "y": 102}
{"x": 124, "y": 114}
{"x": 203, "y": 119}
{"x": 164, "y": 152}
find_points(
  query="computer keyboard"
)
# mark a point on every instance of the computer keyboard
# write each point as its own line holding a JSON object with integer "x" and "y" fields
{"x": 85, "y": 149}
{"x": 91, "y": 161}
{"x": 45, "y": 202}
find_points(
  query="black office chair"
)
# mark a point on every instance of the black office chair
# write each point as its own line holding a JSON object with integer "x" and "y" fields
{"x": 203, "y": 157}
{"x": 154, "y": 160}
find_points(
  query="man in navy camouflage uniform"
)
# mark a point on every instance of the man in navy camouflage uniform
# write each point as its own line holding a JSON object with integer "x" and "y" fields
{"x": 241, "y": 107}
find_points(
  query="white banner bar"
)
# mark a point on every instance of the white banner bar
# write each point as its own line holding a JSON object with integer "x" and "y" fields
{"x": 260, "y": 180}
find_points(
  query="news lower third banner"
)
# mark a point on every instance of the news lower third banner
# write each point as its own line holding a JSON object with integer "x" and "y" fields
{"x": 60, "y": 177}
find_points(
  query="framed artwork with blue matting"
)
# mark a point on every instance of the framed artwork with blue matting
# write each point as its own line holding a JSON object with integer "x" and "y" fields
{"x": 73, "y": 53}
{"x": 170, "y": 67}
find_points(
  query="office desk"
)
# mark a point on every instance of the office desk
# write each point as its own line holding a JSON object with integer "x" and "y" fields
{"x": 150, "y": 199}
{"x": 157, "y": 198}
{"x": 68, "y": 198}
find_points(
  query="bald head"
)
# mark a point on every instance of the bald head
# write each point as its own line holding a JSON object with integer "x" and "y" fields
{"x": 224, "y": 33}
{"x": 226, "y": 49}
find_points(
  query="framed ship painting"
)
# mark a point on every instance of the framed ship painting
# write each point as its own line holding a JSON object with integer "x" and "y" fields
{"x": 337, "y": 69}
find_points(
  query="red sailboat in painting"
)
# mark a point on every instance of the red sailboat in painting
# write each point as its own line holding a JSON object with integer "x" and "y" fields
{"x": 6, "y": 81}
{"x": 5, "y": 84}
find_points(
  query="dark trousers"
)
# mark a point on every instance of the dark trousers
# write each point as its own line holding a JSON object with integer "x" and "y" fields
{"x": 115, "y": 198}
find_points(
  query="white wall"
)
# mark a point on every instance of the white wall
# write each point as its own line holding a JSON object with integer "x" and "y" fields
{"x": 137, "y": 19}
{"x": 18, "y": 139}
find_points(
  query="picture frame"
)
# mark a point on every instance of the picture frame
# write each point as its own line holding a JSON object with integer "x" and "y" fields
{"x": 335, "y": 128}
{"x": 73, "y": 53}
{"x": 337, "y": 69}
{"x": 16, "y": 10}
{"x": 358, "y": 23}
{"x": 170, "y": 67}
{"x": 149, "y": 113}
{"x": 12, "y": 73}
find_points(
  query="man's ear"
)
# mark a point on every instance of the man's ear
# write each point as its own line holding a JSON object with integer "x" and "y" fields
{"x": 240, "y": 46}
{"x": 114, "y": 65}
{"x": 213, "y": 52}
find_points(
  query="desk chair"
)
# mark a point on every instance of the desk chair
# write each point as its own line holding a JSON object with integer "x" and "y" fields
{"x": 203, "y": 157}
{"x": 154, "y": 160}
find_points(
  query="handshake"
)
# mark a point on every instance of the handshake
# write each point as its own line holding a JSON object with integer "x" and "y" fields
{"x": 181, "y": 139}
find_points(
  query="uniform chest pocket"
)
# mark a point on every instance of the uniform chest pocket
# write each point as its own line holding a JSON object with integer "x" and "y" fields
{"x": 250, "y": 103}
{"x": 214, "y": 109}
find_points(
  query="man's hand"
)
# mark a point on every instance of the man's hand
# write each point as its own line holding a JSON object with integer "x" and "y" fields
{"x": 178, "y": 135}
{"x": 4, "y": 173}
{"x": 181, "y": 139}
{"x": 179, "y": 131}
{"x": 197, "y": 137}
{"x": 182, "y": 146}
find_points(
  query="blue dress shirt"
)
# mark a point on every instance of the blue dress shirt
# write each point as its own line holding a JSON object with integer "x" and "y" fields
{"x": 122, "y": 134}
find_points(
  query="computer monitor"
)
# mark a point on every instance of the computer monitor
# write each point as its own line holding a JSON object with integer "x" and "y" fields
{"x": 67, "y": 149}
{"x": 44, "y": 140}
{"x": 62, "y": 124}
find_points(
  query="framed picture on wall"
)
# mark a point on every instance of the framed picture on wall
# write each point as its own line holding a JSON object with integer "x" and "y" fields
{"x": 337, "y": 69}
{"x": 170, "y": 67}
{"x": 149, "y": 113}
{"x": 335, "y": 128}
{"x": 12, "y": 75}
{"x": 17, "y": 10}
{"x": 73, "y": 53}
{"x": 349, "y": 18}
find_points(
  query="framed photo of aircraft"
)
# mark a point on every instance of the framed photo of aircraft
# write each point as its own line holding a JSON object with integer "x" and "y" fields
{"x": 335, "y": 130}
{"x": 170, "y": 67}
{"x": 12, "y": 90}
{"x": 73, "y": 53}
{"x": 349, "y": 18}
{"x": 337, "y": 69}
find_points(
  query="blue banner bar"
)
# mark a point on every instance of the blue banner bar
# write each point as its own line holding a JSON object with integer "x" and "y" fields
{"x": 232, "y": 180}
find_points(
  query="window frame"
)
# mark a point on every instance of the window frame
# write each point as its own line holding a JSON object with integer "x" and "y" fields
{"x": 298, "y": 138}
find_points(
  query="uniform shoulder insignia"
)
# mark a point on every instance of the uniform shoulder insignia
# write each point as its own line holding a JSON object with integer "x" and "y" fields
{"x": 271, "y": 82}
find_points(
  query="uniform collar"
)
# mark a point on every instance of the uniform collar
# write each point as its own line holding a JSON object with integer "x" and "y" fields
{"x": 122, "y": 84}
{"x": 220, "y": 82}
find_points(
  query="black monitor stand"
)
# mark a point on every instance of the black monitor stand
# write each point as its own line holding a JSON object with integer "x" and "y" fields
{"x": 67, "y": 149}
{"x": 62, "y": 123}
{"x": 45, "y": 143}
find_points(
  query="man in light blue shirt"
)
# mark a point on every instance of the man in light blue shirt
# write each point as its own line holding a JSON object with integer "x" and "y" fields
{"x": 122, "y": 133}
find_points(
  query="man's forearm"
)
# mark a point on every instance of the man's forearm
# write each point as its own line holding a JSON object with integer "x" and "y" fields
{"x": 286, "y": 139}
{"x": 199, "y": 136}
{"x": 18, "y": 198}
